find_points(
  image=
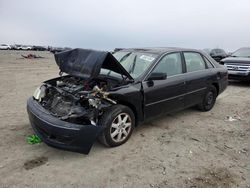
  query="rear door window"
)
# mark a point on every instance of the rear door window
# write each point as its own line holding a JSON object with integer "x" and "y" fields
{"x": 194, "y": 61}
{"x": 209, "y": 64}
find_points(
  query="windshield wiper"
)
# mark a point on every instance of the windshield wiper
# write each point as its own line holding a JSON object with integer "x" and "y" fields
{"x": 133, "y": 66}
{"x": 125, "y": 56}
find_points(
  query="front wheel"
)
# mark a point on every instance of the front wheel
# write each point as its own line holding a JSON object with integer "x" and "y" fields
{"x": 209, "y": 99}
{"x": 119, "y": 122}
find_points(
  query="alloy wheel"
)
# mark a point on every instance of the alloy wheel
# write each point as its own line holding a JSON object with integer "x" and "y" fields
{"x": 120, "y": 127}
{"x": 210, "y": 98}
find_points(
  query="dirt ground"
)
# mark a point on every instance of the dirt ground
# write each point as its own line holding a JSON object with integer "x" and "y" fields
{"x": 184, "y": 149}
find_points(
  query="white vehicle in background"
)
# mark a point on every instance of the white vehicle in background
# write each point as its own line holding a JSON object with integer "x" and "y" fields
{"x": 24, "y": 47}
{"x": 5, "y": 47}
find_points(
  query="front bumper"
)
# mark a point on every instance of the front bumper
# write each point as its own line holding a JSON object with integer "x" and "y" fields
{"x": 61, "y": 134}
{"x": 239, "y": 75}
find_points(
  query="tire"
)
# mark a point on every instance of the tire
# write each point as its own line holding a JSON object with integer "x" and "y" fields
{"x": 119, "y": 123}
{"x": 208, "y": 100}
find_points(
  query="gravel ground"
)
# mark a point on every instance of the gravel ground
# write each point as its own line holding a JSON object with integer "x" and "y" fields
{"x": 184, "y": 149}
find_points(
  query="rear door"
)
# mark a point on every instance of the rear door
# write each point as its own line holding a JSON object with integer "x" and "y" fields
{"x": 162, "y": 96}
{"x": 197, "y": 77}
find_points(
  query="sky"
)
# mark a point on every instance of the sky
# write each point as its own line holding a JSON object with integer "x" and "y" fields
{"x": 107, "y": 24}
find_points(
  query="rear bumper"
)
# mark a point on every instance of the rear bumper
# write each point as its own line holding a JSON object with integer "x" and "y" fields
{"x": 61, "y": 134}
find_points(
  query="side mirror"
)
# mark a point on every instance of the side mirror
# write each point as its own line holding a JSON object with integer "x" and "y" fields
{"x": 157, "y": 76}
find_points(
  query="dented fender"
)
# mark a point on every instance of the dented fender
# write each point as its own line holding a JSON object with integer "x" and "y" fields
{"x": 131, "y": 96}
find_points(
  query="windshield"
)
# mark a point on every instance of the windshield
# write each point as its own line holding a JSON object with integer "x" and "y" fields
{"x": 243, "y": 52}
{"x": 135, "y": 63}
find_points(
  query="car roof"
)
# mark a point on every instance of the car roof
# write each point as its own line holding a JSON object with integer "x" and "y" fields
{"x": 156, "y": 50}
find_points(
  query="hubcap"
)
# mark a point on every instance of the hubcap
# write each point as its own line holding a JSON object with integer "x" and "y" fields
{"x": 210, "y": 98}
{"x": 120, "y": 127}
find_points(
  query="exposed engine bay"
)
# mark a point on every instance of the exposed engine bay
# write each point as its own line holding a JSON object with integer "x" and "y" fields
{"x": 76, "y": 100}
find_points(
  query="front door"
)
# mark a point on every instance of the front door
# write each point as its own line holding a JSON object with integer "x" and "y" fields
{"x": 163, "y": 96}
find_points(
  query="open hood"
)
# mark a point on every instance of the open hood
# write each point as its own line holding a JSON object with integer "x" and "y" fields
{"x": 86, "y": 63}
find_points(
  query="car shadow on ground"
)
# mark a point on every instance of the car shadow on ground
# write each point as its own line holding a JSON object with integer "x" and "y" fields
{"x": 239, "y": 83}
{"x": 164, "y": 121}
{"x": 167, "y": 118}
{"x": 139, "y": 131}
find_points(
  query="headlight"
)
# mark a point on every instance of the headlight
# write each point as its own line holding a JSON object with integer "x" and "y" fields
{"x": 39, "y": 93}
{"x": 94, "y": 102}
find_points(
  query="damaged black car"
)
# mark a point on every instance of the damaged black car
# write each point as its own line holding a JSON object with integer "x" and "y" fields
{"x": 103, "y": 96}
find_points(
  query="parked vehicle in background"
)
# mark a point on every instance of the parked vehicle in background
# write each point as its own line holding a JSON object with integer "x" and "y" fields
{"x": 217, "y": 54}
{"x": 40, "y": 48}
{"x": 5, "y": 47}
{"x": 106, "y": 95}
{"x": 238, "y": 64}
{"x": 21, "y": 47}
{"x": 16, "y": 47}
{"x": 59, "y": 49}
{"x": 25, "y": 47}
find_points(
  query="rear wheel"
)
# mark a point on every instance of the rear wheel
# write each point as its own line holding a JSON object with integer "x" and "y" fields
{"x": 209, "y": 99}
{"x": 119, "y": 122}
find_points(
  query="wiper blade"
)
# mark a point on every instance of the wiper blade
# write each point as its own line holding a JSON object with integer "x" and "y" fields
{"x": 132, "y": 67}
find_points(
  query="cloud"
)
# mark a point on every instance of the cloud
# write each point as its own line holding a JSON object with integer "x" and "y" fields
{"x": 119, "y": 23}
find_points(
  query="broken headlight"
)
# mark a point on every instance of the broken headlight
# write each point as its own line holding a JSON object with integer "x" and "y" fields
{"x": 94, "y": 102}
{"x": 39, "y": 93}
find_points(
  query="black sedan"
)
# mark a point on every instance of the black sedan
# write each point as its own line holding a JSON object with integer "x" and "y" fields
{"x": 238, "y": 64}
{"x": 104, "y": 96}
{"x": 217, "y": 54}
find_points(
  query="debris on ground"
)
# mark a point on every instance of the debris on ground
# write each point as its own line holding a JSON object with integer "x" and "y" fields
{"x": 219, "y": 177}
{"x": 35, "y": 162}
{"x": 227, "y": 147}
{"x": 152, "y": 185}
{"x": 233, "y": 118}
{"x": 142, "y": 135}
{"x": 164, "y": 171}
{"x": 195, "y": 139}
{"x": 31, "y": 56}
{"x": 243, "y": 151}
{"x": 33, "y": 139}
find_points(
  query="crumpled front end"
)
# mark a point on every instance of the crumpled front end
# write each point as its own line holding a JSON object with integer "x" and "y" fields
{"x": 59, "y": 133}
{"x": 65, "y": 111}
